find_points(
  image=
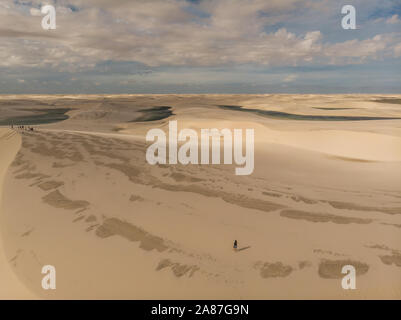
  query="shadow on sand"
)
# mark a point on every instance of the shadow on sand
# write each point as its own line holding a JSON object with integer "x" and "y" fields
{"x": 244, "y": 248}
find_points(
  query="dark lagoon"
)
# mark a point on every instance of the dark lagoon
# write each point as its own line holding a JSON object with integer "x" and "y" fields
{"x": 154, "y": 114}
{"x": 291, "y": 116}
{"x": 38, "y": 116}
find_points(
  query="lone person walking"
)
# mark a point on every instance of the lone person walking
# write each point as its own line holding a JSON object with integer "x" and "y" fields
{"x": 235, "y": 244}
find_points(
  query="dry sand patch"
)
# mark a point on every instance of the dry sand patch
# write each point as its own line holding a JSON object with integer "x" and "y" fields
{"x": 48, "y": 185}
{"x": 331, "y": 269}
{"x": 315, "y": 217}
{"x": 58, "y": 200}
{"x": 115, "y": 227}
{"x": 178, "y": 269}
{"x": 353, "y": 206}
{"x": 274, "y": 270}
{"x": 395, "y": 259}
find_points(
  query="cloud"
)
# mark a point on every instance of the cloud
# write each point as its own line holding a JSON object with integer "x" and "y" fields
{"x": 35, "y": 12}
{"x": 397, "y": 50}
{"x": 394, "y": 19}
{"x": 290, "y": 78}
{"x": 359, "y": 51}
{"x": 208, "y": 35}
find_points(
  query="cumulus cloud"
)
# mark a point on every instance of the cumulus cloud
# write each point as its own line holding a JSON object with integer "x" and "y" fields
{"x": 358, "y": 51}
{"x": 173, "y": 33}
{"x": 393, "y": 19}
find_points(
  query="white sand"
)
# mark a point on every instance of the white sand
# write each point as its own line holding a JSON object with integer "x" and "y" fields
{"x": 116, "y": 227}
{"x": 11, "y": 287}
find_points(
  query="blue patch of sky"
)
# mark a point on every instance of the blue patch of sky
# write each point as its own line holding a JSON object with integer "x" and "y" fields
{"x": 199, "y": 15}
{"x": 386, "y": 9}
{"x": 73, "y": 8}
{"x": 328, "y": 21}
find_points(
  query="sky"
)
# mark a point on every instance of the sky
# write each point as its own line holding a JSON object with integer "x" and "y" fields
{"x": 200, "y": 46}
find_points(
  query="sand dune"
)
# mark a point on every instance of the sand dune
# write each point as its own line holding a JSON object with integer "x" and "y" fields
{"x": 322, "y": 195}
{"x": 11, "y": 287}
{"x": 365, "y": 146}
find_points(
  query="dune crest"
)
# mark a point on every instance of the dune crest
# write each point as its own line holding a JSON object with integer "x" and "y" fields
{"x": 11, "y": 287}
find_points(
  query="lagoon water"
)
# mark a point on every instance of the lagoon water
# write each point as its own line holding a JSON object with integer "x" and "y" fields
{"x": 39, "y": 116}
{"x": 291, "y": 116}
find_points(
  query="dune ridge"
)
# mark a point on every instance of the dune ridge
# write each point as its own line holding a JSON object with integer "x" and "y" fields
{"x": 11, "y": 287}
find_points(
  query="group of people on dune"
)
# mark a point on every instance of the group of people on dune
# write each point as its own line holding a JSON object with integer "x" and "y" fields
{"x": 23, "y": 128}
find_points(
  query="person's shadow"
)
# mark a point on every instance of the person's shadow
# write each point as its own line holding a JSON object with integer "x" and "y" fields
{"x": 244, "y": 248}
